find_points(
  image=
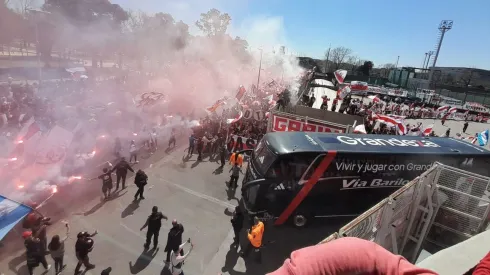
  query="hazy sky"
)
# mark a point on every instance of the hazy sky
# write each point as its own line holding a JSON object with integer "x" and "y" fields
{"x": 378, "y": 30}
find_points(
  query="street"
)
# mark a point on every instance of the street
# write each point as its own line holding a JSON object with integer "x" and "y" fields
{"x": 192, "y": 192}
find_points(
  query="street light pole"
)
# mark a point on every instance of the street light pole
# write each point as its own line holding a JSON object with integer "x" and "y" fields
{"x": 425, "y": 58}
{"x": 260, "y": 69}
{"x": 429, "y": 54}
{"x": 445, "y": 26}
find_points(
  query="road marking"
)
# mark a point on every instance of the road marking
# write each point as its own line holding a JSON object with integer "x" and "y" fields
{"x": 200, "y": 195}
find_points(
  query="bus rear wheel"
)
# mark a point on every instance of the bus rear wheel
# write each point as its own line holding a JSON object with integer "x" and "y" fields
{"x": 299, "y": 220}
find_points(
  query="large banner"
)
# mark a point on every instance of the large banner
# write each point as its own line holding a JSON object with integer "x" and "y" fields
{"x": 238, "y": 143}
{"x": 282, "y": 124}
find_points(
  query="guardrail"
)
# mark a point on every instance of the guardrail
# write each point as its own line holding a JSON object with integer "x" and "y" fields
{"x": 443, "y": 206}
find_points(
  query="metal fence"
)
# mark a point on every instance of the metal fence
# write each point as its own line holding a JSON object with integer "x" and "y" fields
{"x": 441, "y": 207}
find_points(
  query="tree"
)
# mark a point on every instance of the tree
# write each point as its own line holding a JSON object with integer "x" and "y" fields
{"x": 468, "y": 76}
{"x": 23, "y": 6}
{"x": 448, "y": 79}
{"x": 95, "y": 22}
{"x": 11, "y": 25}
{"x": 339, "y": 55}
{"x": 365, "y": 69}
{"x": 213, "y": 22}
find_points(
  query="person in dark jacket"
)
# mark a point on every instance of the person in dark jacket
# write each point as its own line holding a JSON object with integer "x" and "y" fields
{"x": 121, "y": 169}
{"x": 141, "y": 179}
{"x": 237, "y": 224}
{"x": 174, "y": 239}
{"x": 34, "y": 252}
{"x": 154, "y": 223}
{"x": 222, "y": 154}
{"x": 200, "y": 147}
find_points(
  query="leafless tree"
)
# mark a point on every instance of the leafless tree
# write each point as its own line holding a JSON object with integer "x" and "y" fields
{"x": 23, "y": 6}
{"x": 339, "y": 55}
{"x": 468, "y": 76}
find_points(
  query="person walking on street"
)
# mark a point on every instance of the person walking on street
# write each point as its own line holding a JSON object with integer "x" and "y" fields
{"x": 255, "y": 236}
{"x": 34, "y": 252}
{"x": 174, "y": 239}
{"x": 121, "y": 169}
{"x": 177, "y": 258}
{"x": 83, "y": 246}
{"x": 200, "y": 146}
{"x": 465, "y": 126}
{"x": 133, "y": 152}
{"x": 235, "y": 173}
{"x": 57, "y": 251}
{"x": 222, "y": 154}
{"x": 141, "y": 179}
{"x": 192, "y": 141}
{"x": 154, "y": 223}
{"x": 237, "y": 224}
{"x": 236, "y": 158}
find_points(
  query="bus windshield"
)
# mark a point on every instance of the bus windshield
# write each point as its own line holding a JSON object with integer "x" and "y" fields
{"x": 263, "y": 157}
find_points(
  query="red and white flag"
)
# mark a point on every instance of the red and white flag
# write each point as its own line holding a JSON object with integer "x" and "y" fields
{"x": 374, "y": 98}
{"x": 443, "y": 108}
{"x": 401, "y": 128}
{"x": 452, "y": 110}
{"x": 241, "y": 93}
{"x": 427, "y": 130}
{"x": 233, "y": 120}
{"x": 342, "y": 93}
{"x": 340, "y": 75}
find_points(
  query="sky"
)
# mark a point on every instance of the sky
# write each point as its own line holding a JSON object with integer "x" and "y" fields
{"x": 377, "y": 30}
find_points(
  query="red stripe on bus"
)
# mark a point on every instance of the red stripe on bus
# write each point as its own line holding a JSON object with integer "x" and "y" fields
{"x": 327, "y": 160}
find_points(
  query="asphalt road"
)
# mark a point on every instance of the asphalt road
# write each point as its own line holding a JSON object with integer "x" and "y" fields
{"x": 183, "y": 189}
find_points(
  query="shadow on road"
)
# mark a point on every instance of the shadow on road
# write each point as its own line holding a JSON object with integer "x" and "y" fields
{"x": 130, "y": 209}
{"x": 143, "y": 260}
{"x": 218, "y": 170}
{"x": 231, "y": 260}
{"x": 196, "y": 163}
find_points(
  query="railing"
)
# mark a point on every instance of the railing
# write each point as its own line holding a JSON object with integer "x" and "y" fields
{"x": 443, "y": 206}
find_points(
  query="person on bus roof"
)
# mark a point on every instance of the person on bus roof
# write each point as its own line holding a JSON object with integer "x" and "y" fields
{"x": 236, "y": 158}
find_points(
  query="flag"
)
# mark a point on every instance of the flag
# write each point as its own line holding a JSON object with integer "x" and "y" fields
{"x": 402, "y": 129}
{"x": 342, "y": 93}
{"x": 11, "y": 213}
{"x": 443, "y": 108}
{"x": 427, "y": 130}
{"x": 241, "y": 93}
{"x": 374, "y": 98}
{"x": 233, "y": 120}
{"x": 340, "y": 75}
{"x": 483, "y": 138}
{"x": 452, "y": 110}
{"x": 216, "y": 105}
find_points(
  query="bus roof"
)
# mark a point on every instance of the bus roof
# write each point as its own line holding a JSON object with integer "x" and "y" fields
{"x": 290, "y": 142}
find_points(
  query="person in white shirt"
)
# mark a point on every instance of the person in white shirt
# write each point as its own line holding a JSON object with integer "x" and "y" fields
{"x": 176, "y": 261}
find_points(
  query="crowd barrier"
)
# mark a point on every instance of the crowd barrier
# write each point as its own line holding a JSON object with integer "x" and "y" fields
{"x": 440, "y": 208}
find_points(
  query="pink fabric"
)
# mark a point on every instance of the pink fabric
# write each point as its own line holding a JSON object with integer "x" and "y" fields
{"x": 347, "y": 256}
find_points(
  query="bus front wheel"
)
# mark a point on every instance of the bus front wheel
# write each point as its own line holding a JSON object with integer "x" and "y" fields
{"x": 299, "y": 220}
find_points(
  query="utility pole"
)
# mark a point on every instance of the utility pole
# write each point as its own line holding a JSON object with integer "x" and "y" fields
{"x": 429, "y": 54}
{"x": 423, "y": 63}
{"x": 445, "y": 26}
{"x": 326, "y": 61}
{"x": 260, "y": 69}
